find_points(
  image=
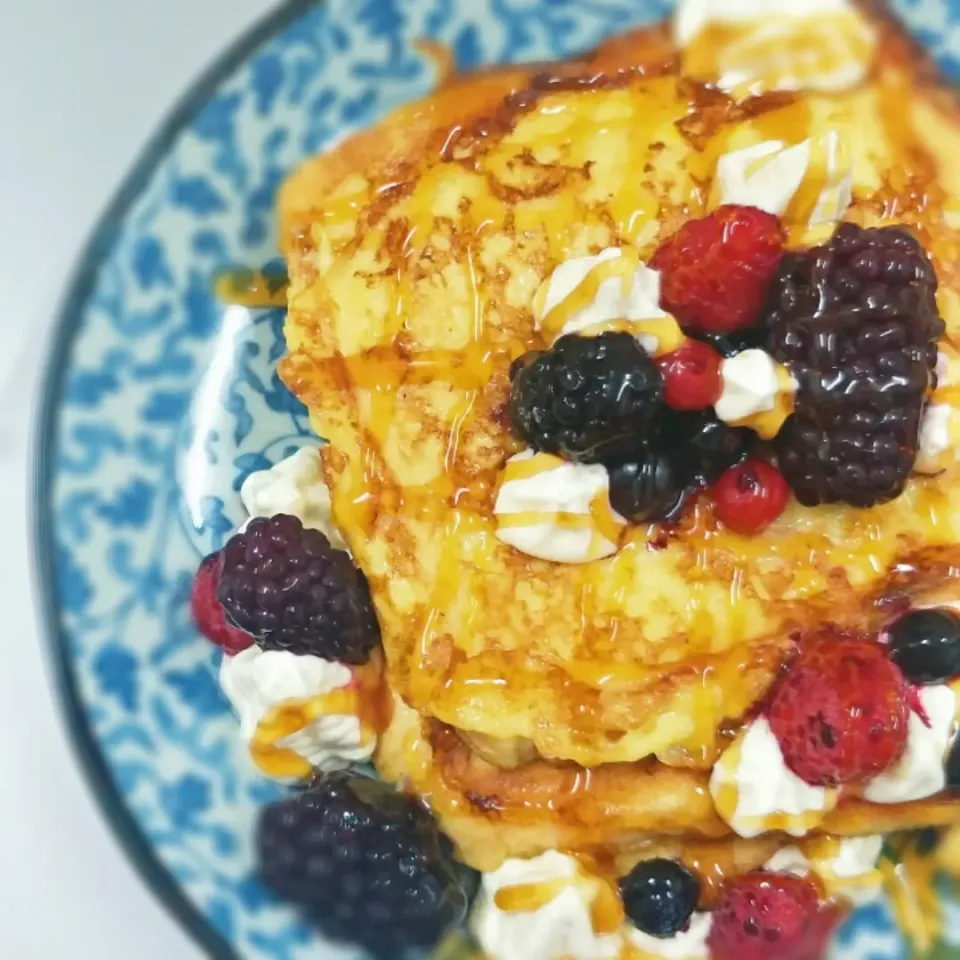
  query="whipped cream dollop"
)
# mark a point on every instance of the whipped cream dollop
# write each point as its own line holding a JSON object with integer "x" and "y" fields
{"x": 846, "y": 867}
{"x": 257, "y": 682}
{"x": 689, "y": 944}
{"x": 550, "y": 918}
{"x": 937, "y": 445}
{"x": 555, "y": 510}
{"x": 294, "y": 486}
{"x": 769, "y": 175}
{"x": 757, "y": 392}
{"x": 693, "y": 16}
{"x": 769, "y": 45}
{"x": 588, "y": 294}
{"x": 755, "y": 791}
{"x": 920, "y": 771}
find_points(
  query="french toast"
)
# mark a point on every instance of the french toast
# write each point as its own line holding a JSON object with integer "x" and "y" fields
{"x": 412, "y": 285}
{"x": 588, "y": 679}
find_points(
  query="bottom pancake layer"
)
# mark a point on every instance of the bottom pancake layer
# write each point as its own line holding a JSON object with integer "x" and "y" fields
{"x": 615, "y": 813}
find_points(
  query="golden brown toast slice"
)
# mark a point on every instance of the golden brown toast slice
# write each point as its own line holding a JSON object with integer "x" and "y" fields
{"x": 618, "y": 812}
{"x": 415, "y": 251}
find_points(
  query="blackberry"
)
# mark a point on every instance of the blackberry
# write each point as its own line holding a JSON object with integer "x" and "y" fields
{"x": 856, "y": 323}
{"x": 588, "y": 399}
{"x": 364, "y": 864}
{"x": 925, "y": 645}
{"x": 659, "y": 896}
{"x": 291, "y": 590}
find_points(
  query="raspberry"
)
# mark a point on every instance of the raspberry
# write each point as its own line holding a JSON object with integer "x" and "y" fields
{"x": 856, "y": 323}
{"x": 289, "y": 588}
{"x": 208, "y": 613}
{"x": 588, "y": 399}
{"x": 715, "y": 272}
{"x": 691, "y": 376}
{"x": 761, "y": 916}
{"x": 659, "y": 896}
{"x": 364, "y": 864}
{"x": 840, "y": 712}
{"x": 750, "y": 496}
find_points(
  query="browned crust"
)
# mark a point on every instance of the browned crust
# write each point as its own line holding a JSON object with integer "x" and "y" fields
{"x": 493, "y": 811}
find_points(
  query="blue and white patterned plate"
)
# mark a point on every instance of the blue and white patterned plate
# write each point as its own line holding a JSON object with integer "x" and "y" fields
{"x": 159, "y": 400}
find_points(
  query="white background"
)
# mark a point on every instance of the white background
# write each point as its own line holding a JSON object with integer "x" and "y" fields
{"x": 83, "y": 83}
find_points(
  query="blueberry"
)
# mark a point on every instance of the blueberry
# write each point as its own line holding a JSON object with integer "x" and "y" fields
{"x": 659, "y": 896}
{"x": 926, "y": 841}
{"x": 649, "y": 488}
{"x": 925, "y": 645}
{"x": 953, "y": 766}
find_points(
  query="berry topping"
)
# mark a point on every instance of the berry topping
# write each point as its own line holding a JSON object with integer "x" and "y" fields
{"x": 691, "y": 376}
{"x": 925, "y": 645}
{"x": 208, "y": 613}
{"x": 750, "y": 496}
{"x": 650, "y": 488}
{"x": 856, "y": 323}
{"x": 926, "y": 841}
{"x": 293, "y": 591}
{"x": 730, "y": 344}
{"x": 715, "y": 272}
{"x": 765, "y": 915}
{"x": 587, "y": 399}
{"x": 659, "y": 896}
{"x": 363, "y": 863}
{"x": 840, "y": 712}
{"x": 708, "y": 444}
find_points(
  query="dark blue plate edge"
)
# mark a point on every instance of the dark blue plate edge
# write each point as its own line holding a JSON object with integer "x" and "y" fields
{"x": 125, "y": 828}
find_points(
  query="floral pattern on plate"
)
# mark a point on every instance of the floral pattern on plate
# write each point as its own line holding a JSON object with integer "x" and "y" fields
{"x": 159, "y": 401}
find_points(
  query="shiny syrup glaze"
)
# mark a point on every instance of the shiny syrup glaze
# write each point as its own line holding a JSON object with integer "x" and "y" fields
{"x": 366, "y": 698}
{"x": 387, "y": 366}
{"x": 463, "y": 498}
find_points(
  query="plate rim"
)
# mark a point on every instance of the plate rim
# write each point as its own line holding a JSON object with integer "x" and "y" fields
{"x": 68, "y": 314}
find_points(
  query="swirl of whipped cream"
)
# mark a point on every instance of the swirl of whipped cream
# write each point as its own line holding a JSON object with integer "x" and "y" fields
{"x": 756, "y": 792}
{"x": 279, "y": 698}
{"x": 920, "y": 772}
{"x": 555, "y": 510}
{"x": 688, "y": 944}
{"x": 757, "y": 392}
{"x": 749, "y": 47}
{"x": 770, "y": 175}
{"x": 939, "y": 438}
{"x": 537, "y": 910}
{"x": 846, "y": 866}
{"x": 611, "y": 290}
{"x": 294, "y": 486}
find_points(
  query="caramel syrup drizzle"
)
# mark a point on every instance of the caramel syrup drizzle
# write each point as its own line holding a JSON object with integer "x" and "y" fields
{"x": 380, "y": 372}
{"x": 367, "y": 698}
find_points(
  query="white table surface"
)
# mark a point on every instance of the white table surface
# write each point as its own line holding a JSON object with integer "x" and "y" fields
{"x": 82, "y": 85}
